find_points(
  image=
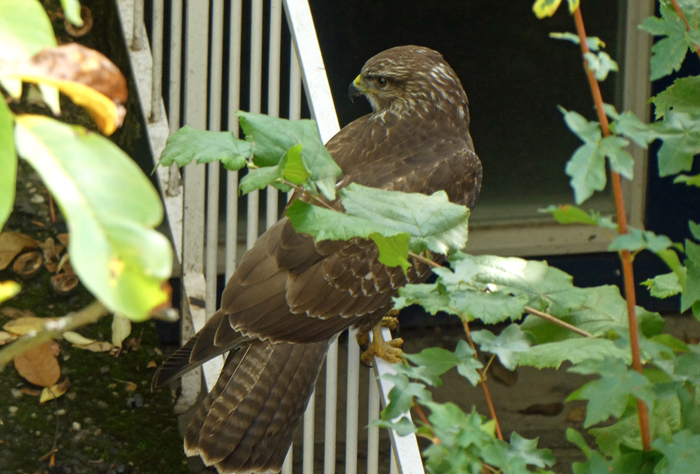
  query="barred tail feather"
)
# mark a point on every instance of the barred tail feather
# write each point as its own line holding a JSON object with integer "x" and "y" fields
{"x": 247, "y": 421}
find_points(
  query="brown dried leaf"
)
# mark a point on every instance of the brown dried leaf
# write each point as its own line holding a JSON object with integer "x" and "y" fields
{"x": 63, "y": 238}
{"x": 78, "y": 31}
{"x": 32, "y": 392}
{"x": 6, "y": 337}
{"x": 15, "y": 313}
{"x": 152, "y": 364}
{"x": 131, "y": 386}
{"x": 11, "y": 244}
{"x": 28, "y": 264}
{"x": 134, "y": 344}
{"x": 576, "y": 414}
{"x": 26, "y": 325}
{"x": 49, "y": 393}
{"x": 65, "y": 266}
{"x": 64, "y": 283}
{"x": 55, "y": 348}
{"x": 39, "y": 366}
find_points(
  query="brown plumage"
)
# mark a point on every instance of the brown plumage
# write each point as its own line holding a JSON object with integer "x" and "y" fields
{"x": 290, "y": 295}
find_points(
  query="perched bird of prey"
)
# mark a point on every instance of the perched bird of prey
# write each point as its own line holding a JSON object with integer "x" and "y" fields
{"x": 291, "y": 296}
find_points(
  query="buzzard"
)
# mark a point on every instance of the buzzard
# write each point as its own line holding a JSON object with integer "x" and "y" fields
{"x": 291, "y": 296}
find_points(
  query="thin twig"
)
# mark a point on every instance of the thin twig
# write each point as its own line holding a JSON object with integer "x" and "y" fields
{"x": 557, "y": 321}
{"x": 425, "y": 260}
{"x": 687, "y": 25}
{"x": 52, "y": 329}
{"x": 484, "y": 386}
{"x": 627, "y": 270}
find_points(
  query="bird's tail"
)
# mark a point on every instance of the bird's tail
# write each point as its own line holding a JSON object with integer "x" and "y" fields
{"x": 247, "y": 421}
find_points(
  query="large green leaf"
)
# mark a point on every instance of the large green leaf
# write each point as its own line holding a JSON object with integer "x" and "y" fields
{"x": 204, "y": 146}
{"x": 272, "y": 137}
{"x": 25, "y": 29}
{"x": 433, "y": 221}
{"x": 575, "y": 350}
{"x": 680, "y": 133}
{"x": 110, "y": 206}
{"x": 8, "y": 163}
{"x": 682, "y": 96}
{"x": 506, "y": 345}
{"x": 682, "y": 454}
{"x": 608, "y": 395}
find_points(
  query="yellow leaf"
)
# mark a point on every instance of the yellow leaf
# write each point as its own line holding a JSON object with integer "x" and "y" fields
{"x": 545, "y": 8}
{"x": 96, "y": 346}
{"x": 8, "y": 289}
{"x": 26, "y": 325}
{"x": 573, "y": 5}
{"x": 55, "y": 391}
{"x": 121, "y": 328}
{"x": 6, "y": 337}
{"x": 77, "y": 339}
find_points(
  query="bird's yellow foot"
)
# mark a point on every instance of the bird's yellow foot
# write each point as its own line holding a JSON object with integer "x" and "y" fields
{"x": 390, "y": 351}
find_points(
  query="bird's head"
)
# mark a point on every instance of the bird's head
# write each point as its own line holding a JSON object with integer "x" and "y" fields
{"x": 408, "y": 79}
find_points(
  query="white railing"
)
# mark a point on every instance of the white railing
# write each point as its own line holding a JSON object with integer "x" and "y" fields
{"x": 197, "y": 54}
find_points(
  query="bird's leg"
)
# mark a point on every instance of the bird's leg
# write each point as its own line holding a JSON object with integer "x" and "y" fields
{"x": 390, "y": 351}
{"x": 389, "y": 320}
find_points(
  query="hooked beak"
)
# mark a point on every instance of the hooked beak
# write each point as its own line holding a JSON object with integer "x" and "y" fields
{"x": 355, "y": 89}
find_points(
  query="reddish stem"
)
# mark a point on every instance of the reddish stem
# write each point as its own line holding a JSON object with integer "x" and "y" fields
{"x": 484, "y": 386}
{"x": 687, "y": 25}
{"x": 627, "y": 270}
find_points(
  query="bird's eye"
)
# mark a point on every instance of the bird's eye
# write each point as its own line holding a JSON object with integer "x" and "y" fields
{"x": 381, "y": 82}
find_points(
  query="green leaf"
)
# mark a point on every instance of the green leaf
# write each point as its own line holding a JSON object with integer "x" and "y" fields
{"x": 688, "y": 180}
{"x": 8, "y": 163}
{"x": 629, "y": 125}
{"x": 204, "y": 146}
{"x": 71, "y": 9}
{"x": 392, "y": 250}
{"x": 568, "y": 214}
{"x": 432, "y": 221}
{"x": 401, "y": 396}
{"x": 492, "y": 307}
{"x": 694, "y": 229}
{"x": 588, "y": 132}
{"x": 403, "y": 426}
{"x": 682, "y": 454}
{"x": 575, "y": 437}
{"x": 680, "y": 133}
{"x": 468, "y": 364}
{"x": 295, "y": 171}
{"x": 692, "y": 285}
{"x": 601, "y": 64}
{"x": 433, "y": 362}
{"x": 272, "y": 137}
{"x": 506, "y": 345}
{"x": 273, "y": 175}
{"x": 526, "y": 449}
{"x": 575, "y": 350}
{"x": 25, "y": 29}
{"x": 663, "y": 286}
{"x": 594, "y": 43}
{"x": 620, "y": 161}
{"x": 428, "y": 295}
{"x": 637, "y": 239}
{"x": 682, "y": 96}
{"x": 110, "y": 206}
{"x": 586, "y": 168}
{"x": 668, "y": 53}
{"x": 608, "y": 395}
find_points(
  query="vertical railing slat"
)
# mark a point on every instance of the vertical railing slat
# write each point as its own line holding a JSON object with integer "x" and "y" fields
{"x": 256, "y": 49}
{"x": 234, "y": 102}
{"x": 157, "y": 52}
{"x": 353, "y": 399}
{"x": 372, "y": 431}
{"x": 273, "y": 95}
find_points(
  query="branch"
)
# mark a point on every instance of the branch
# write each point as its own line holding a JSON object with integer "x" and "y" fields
{"x": 53, "y": 329}
{"x": 484, "y": 386}
{"x": 627, "y": 270}
{"x": 557, "y": 321}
